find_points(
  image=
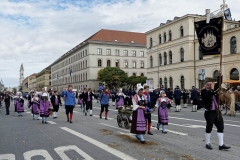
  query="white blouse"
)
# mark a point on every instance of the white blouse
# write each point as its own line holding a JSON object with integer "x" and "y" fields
{"x": 162, "y": 100}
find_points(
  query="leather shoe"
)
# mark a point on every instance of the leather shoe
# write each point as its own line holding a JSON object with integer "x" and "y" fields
{"x": 150, "y": 133}
{"x": 208, "y": 146}
{"x": 224, "y": 147}
{"x": 143, "y": 142}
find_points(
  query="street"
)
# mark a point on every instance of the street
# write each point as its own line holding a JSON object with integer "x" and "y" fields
{"x": 93, "y": 138}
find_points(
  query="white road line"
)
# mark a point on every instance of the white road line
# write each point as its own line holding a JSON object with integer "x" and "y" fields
{"x": 28, "y": 155}
{"x": 51, "y": 122}
{"x": 103, "y": 146}
{"x": 7, "y": 157}
{"x": 60, "y": 151}
{"x": 129, "y": 134}
{"x": 175, "y": 132}
{"x": 28, "y": 112}
{"x": 102, "y": 117}
{"x": 113, "y": 127}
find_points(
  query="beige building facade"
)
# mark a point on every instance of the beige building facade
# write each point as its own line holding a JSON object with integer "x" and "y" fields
{"x": 43, "y": 79}
{"x": 32, "y": 82}
{"x": 80, "y": 66}
{"x": 174, "y": 57}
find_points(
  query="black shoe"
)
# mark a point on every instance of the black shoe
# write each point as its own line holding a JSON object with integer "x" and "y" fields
{"x": 54, "y": 117}
{"x": 33, "y": 118}
{"x": 71, "y": 122}
{"x": 224, "y": 147}
{"x": 208, "y": 146}
{"x": 150, "y": 133}
{"x": 86, "y": 114}
{"x": 143, "y": 142}
{"x": 46, "y": 122}
{"x": 106, "y": 118}
{"x": 164, "y": 132}
{"x": 68, "y": 120}
{"x": 42, "y": 122}
{"x": 6, "y": 114}
{"x": 21, "y": 115}
{"x": 90, "y": 114}
{"x": 176, "y": 111}
{"x": 100, "y": 116}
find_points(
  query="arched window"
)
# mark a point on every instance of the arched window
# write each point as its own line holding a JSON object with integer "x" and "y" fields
{"x": 160, "y": 38}
{"x": 108, "y": 63}
{"x": 125, "y": 64}
{"x": 182, "y": 82}
{"x": 200, "y": 54}
{"x": 215, "y": 75}
{"x": 134, "y": 64}
{"x": 142, "y": 74}
{"x": 234, "y": 74}
{"x": 151, "y": 42}
{"x": 170, "y": 35}
{"x": 181, "y": 31}
{"x": 160, "y": 81}
{"x": 83, "y": 65}
{"x": 83, "y": 77}
{"x": 170, "y": 57}
{"x": 165, "y": 58}
{"x": 134, "y": 74}
{"x": 165, "y": 83}
{"x": 86, "y": 63}
{"x": 165, "y": 37}
{"x": 117, "y": 63}
{"x": 99, "y": 63}
{"x": 160, "y": 59}
{"x": 171, "y": 83}
{"x": 151, "y": 61}
{"x": 182, "y": 55}
{"x": 233, "y": 45}
{"x": 142, "y": 64}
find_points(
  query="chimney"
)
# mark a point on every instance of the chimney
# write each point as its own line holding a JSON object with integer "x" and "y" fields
{"x": 207, "y": 11}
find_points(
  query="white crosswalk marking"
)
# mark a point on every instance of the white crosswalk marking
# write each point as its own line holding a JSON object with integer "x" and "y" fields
{"x": 103, "y": 146}
{"x": 28, "y": 155}
{"x": 175, "y": 132}
{"x": 51, "y": 122}
{"x": 60, "y": 151}
{"x": 7, "y": 157}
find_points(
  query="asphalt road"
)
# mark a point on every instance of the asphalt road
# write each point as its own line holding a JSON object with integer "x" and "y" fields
{"x": 93, "y": 138}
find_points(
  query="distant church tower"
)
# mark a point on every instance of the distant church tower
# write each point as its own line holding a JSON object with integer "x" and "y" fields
{"x": 21, "y": 75}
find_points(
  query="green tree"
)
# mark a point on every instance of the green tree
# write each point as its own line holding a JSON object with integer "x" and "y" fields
{"x": 134, "y": 80}
{"x": 112, "y": 76}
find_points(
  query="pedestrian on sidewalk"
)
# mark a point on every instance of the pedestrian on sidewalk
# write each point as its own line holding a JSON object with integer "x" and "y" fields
{"x": 177, "y": 96}
{"x": 148, "y": 115}
{"x": 88, "y": 98}
{"x": 209, "y": 97}
{"x": 138, "y": 126}
{"x": 162, "y": 104}
{"x": 7, "y": 100}
{"x": 56, "y": 101}
{"x": 35, "y": 101}
{"x": 70, "y": 102}
{"x": 104, "y": 101}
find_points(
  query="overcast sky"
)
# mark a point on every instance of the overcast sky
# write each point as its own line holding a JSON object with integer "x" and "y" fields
{"x": 37, "y": 32}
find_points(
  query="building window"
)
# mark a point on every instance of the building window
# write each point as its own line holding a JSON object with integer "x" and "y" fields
{"x": 83, "y": 65}
{"x": 165, "y": 58}
{"x": 134, "y": 74}
{"x": 141, "y": 54}
{"x": 171, "y": 83}
{"x": 165, "y": 83}
{"x": 200, "y": 54}
{"x": 99, "y": 63}
{"x": 117, "y": 63}
{"x": 151, "y": 42}
{"x": 117, "y": 52}
{"x": 86, "y": 63}
{"x": 181, "y": 31}
{"x": 99, "y": 51}
{"x": 160, "y": 38}
{"x": 234, "y": 74}
{"x": 134, "y": 64}
{"x": 83, "y": 77}
{"x": 233, "y": 45}
{"x": 125, "y": 53}
{"x": 108, "y": 63}
{"x": 86, "y": 52}
{"x": 215, "y": 75}
{"x": 83, "y": 54}
{"x": 160, "y": 81}
{"x": 182, "y": 82}
{"x": 160, "y": 59}
{"x": 151, "y": 61}
{"x": 165, "y": 37}
{"x": 170, "y": 35}
{"x": 108, "y": 52}
{"x": 170, "y": 57}
{"x": 125, "y": 64}
{"x": 142, "y": 74}
{"x": 86, "y": 76}
{"x": 134, "y": 53}
{"x": 142, "y": 64}
{"x": 182, "y": 55}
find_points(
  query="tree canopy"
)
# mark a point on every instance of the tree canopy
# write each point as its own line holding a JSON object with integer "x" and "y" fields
{"x": 134, "y": 80}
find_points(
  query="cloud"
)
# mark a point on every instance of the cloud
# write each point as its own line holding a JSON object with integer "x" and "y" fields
{"x": 37, "y": 32}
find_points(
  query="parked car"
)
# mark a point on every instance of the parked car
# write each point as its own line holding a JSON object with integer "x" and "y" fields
{"x": 25, "y": 95}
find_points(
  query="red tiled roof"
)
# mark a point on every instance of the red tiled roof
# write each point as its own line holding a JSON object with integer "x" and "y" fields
{"x": 121, "y": 36}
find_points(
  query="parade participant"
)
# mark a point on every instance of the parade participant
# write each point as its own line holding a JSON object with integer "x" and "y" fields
{"x": 80, "y": 98}
{"x": 70, "y": 102}
{"x": 113, "y": 95}
{"x": 162, "y": 104}
{"x": 126, "y": 98}
{"x": 88, "y": 98}
{"x": 1, "y": 98}
{"x": 184, "y": 97}
{"x": 30, "y": 96}
{"x": 19, "y": 104}
{"x": 148, "y": 111}
{"x": 209, "y": 96}
{"x": 131, "y": 94}
{"x": 177, "y": 96}
{"x": 7, "y": 100}
{"x": 56, "y": 101}
{"x": 84, "y": 103}
{"x": 104, "y": 101}
{"x": 194, "y": 99}
{"x": 35, "y": 106}
{"x": 138, "y": 126}
{"x": 120, "y": 98}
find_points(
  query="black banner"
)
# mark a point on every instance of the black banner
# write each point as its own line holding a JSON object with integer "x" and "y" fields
{"x": 209, "y": 35}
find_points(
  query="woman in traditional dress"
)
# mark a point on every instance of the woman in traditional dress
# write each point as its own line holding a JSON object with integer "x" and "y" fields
{"x": 80, "y": 98}
{"x": 138, "y": 119}
{"x": 44, "y": 105}
{"x": 55, "y": 101}
{"x": 120, "y": 99}
{"x": 161, "y": 104}
{"x": 19, "y": 103}
{"x": 35, "y": 106}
